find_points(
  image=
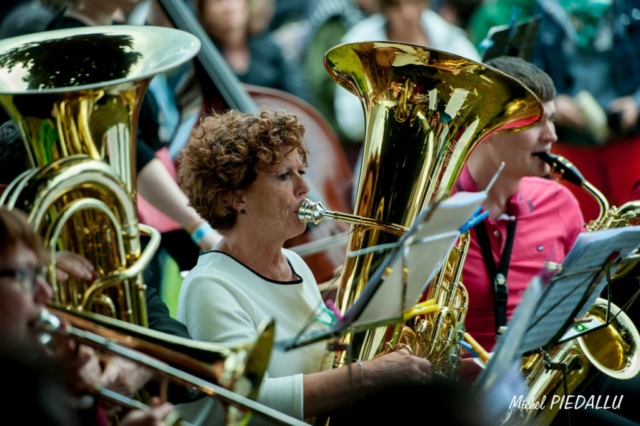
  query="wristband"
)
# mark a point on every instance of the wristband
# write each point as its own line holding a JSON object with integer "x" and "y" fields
{"x": 200, "y": 232}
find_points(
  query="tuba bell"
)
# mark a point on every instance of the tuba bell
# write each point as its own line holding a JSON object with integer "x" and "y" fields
{"x": 75, "y": 96}
{"x": 425, "y": 111}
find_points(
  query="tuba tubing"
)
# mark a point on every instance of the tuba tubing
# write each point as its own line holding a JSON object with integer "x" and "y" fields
{"x": 78, "y": 119}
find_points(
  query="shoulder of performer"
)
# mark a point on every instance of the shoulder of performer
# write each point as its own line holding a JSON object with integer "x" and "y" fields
{"x": 540, "y": 188}
{"x": 543, "y": 191}
{"x": 299, "y": 265}
{"x": 362, "y": 30}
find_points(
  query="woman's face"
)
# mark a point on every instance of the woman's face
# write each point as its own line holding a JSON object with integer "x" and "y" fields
{"x": 23, "y": 294}
{"x": 219, "y": 17}
{"x": 404, "y": 12}
{"x": 109, "y": 3}
{"x": 272, "y": 200}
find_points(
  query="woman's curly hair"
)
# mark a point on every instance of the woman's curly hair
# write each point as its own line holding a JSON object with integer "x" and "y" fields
{"x": 224, "y": 154}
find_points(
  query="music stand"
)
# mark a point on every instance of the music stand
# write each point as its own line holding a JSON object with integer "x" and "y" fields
{"x": 513, "y": 39}
{"x": 578, "y": 283}
{"x": 402, "y": 277}
{"x": 543, "y": 317}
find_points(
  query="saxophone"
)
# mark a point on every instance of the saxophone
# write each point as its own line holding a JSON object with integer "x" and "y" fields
{"x": 612, "y": 350}
{"x": 425, "y": 111}
{"x": 610, "y": 216}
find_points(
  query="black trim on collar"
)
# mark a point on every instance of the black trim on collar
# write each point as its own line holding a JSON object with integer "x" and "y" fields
{"x": 299, "y": 281}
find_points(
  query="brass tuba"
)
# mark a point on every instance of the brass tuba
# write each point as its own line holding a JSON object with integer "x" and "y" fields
{"x": 612, "y": 350}
{"x": 425, "y": 111}
{"x": 75, "y": 96}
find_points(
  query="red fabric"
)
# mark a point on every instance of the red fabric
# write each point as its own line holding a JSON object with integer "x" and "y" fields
{"x": 549, "y": 221}
{"x": 635, "y": 192}
{"x": 148, "y": 214}
{"x": 101, "y": 417}
{"x": 613, "y": 168}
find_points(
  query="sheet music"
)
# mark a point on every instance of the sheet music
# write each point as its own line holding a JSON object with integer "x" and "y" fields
{"x": 501, "y": 40}
{"x": 426, "y": 249}
{"x": 422, "y": 251}
{"x": 566, "y": 290}
{"x": 422, "y": 262}
{"x": 451, "y": 213}
{"x": 557, "y": 303}
{"x": 623, "y": 240}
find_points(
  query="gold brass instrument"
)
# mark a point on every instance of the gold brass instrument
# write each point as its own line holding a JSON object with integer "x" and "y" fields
{"x": 425, "y": 111}
{"x": 232, "y": 375}
{"x": 75, "y": 96}
{"x": 610, "y": 216}
{"x": 611, "y": 350}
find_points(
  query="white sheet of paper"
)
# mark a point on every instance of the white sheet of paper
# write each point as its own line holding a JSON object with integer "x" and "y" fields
{"x": 425, "y": 253}
{"x": 563, "y": 294}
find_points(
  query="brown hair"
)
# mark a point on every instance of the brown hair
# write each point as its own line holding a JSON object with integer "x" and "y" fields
{"x": 224, "y": 154}
{"x": 14, "y": 228}
{"x": 386, "y": 4}
{"x": 528, "y": 74}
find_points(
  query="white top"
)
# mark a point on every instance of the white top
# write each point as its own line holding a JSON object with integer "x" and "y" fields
{"x": 442, "y": 36}
{"x": 223, "y": 301}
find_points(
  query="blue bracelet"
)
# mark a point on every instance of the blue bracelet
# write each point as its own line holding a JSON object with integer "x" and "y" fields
{"x": 200, "y": 232}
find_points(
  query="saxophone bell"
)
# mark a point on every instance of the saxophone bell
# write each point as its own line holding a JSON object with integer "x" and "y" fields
{"x": 611, "y": 350}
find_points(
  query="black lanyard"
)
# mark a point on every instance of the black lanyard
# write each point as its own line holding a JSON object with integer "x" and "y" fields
{"x": 497, "y": 273}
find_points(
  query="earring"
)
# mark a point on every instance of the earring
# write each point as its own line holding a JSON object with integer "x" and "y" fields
{"x": 242, "y": 211}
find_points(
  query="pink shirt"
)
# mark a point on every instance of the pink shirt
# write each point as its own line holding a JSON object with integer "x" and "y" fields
{"x": 549, "y": 221}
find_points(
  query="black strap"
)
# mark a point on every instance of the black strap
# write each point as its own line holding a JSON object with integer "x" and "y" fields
{"x": 497, "y": 273}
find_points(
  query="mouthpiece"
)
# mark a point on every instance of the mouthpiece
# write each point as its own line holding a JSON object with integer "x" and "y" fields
{"x": 316, "y": 212}
{"x": 566, "y": 170}
{"x": 563, "y": 167}
{"x": 310, "y": 211}
{"x": 46, "y": 324}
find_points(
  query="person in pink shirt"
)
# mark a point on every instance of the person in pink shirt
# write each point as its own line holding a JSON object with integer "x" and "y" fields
{"x": 531, "y": 220}
{"x": 542, "y": 215}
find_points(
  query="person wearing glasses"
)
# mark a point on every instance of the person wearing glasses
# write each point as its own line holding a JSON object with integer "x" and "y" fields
{"x": 24, "y": 292}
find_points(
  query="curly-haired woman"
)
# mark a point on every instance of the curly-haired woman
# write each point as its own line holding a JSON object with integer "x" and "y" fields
{"x": 244, "y": 174}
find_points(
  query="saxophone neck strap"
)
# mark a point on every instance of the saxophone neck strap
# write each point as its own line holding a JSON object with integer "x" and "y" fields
{"x": 497, "y": 273}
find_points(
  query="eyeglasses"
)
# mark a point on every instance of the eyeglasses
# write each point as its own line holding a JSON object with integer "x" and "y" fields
{"x": 26, "y": 278}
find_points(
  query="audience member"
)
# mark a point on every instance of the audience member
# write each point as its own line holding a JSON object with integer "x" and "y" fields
{"x": 329, "y": 21}
{"x": 255, "y": 58}
{"x": 590, "y": 51}
{"x": 408, "y": 21}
